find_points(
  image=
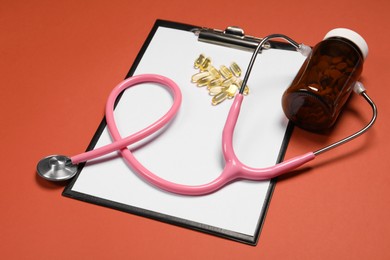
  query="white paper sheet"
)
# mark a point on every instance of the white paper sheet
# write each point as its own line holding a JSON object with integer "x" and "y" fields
{"x": 188, "y": 151}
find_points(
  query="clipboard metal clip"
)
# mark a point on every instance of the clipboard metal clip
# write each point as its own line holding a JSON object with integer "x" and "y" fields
{"x": 232, "y": 36}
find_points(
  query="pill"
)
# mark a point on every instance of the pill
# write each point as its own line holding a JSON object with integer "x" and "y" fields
{"x": 337, "y": 59}
{"x": 231, "y": 91}
{"x": 199, "y": 61}
{"x": 205, "y": 64}
{"x": 246, "y": 91}
{"x": 235, "y": 69}
{"x": 213, "y": 71}
{"x": 228, "y": 82}
{"x": 204, "y": 81}
{"x": 199, "y": 75}
{"x": 238, "y": 82}
{"x": 214, "y": 83}
{"x": 341, "y": 66}
{"x": 335, "y": 74}
{"x": 216, "y": 90}
{"x": 323, "y": 64}
{"x": 219, "y": 98}
{"x": 225, "y": 72}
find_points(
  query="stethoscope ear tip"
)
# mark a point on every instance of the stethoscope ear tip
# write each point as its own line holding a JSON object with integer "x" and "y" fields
{"x": 56, "y": 168}
{"x": 359, "y": 88}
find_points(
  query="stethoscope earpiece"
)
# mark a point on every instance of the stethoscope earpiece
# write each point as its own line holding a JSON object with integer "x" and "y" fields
{"x": 359, "y": 88}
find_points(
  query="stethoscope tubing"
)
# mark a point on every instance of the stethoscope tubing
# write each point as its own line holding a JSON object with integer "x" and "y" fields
{"x": 233, "y": 169}
{"x": 246, "y": 172}
{"x": 120, "y": 143}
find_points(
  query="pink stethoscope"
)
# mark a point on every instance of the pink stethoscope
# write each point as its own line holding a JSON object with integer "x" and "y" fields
{"x": 59, "y": 167}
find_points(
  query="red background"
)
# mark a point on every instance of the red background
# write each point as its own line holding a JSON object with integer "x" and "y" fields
{"x": 60, "y": 59}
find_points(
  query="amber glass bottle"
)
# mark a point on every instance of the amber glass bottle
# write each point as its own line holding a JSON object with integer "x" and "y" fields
{"x": 325, "y": 81}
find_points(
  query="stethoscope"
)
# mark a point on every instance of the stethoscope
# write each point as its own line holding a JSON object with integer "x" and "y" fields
{"x": 59, "y": 167}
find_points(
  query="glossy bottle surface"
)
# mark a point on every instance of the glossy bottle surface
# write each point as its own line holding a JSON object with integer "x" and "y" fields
{"x": 323, "y": 84}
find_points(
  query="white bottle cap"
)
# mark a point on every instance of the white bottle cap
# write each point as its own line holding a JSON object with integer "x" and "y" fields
{"x": 352, "y": 36}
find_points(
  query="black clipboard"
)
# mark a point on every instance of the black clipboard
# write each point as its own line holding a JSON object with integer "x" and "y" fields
{"x": 91, "y": 181}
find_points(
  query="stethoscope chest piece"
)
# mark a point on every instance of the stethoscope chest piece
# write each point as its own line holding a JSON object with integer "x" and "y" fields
{"x": 56, "y": 168}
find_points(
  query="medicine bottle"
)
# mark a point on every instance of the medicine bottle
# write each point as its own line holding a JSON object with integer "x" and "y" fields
{"x": 325, "y": 81}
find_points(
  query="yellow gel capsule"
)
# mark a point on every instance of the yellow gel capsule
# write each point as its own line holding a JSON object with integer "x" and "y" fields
{"x": 235, "y": 69}
{"x": 219, "y": 98}
{"x": 225, "y": 72}
{"x": 228, "y": 82}
{"x": 213, "y": 71}
{"x": 204, "y": 81}
{"x": 246, "y": 91}
{"x": 231, "y": 91}
{"x": 199, "y": 75}
{"x": 213, "y": 83}
{"x": 205, "y": 64}
{"x": 239, "y": 84}
{"x": 216, "y": 90}
{"x": 198, "y": 62}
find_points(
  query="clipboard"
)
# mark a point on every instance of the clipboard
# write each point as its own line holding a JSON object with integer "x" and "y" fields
{"x": 189, "y": 150}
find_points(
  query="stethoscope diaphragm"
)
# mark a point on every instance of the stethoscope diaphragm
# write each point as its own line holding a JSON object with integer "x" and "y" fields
{"x": 56, "y": 168}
